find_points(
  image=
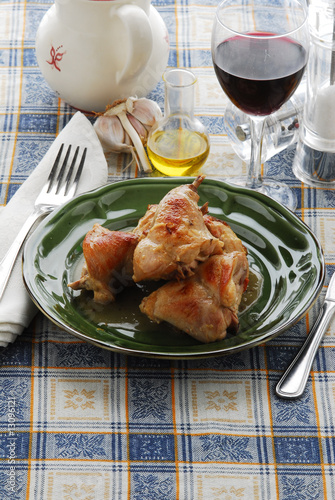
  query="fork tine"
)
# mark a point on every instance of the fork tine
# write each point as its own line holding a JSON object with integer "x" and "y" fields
{"x": 53, "y": 171}
{"x": 62, "y": 170}
{"x": 70, "y": 171}
{"x": 72, "y": 189}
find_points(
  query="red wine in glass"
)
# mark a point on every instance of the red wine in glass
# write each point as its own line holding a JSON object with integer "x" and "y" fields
{"x": 259, "y": 74}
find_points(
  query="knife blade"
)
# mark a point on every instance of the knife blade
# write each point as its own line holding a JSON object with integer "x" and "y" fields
{"x": 293, "y": 382}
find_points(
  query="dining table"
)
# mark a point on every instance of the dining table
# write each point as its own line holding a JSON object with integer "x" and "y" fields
{"x": 83, "y": 421}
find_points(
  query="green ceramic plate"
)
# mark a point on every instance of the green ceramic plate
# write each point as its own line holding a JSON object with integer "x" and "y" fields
{"x": 286, "y": 262}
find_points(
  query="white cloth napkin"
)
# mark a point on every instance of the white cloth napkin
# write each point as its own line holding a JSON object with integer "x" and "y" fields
{"x": 16, "y": 308}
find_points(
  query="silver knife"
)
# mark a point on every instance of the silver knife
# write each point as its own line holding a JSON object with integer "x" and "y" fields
{"x": 293, "y": 383}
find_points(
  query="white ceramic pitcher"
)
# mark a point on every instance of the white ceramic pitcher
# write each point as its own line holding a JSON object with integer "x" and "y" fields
{"x": 92, "y": 52}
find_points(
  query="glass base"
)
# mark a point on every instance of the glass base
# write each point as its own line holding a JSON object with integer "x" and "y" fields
{"x": 276, "y": 190}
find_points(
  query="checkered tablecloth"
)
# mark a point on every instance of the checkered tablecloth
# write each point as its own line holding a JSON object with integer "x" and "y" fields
{"x": 82, "y": 423}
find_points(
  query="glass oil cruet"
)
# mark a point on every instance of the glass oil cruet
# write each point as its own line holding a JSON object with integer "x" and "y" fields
{"x": 314, "y": 162}
{"x": 179, "y": 143}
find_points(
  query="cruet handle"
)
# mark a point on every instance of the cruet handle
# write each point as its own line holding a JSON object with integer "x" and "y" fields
{"x": 137, "y": 25}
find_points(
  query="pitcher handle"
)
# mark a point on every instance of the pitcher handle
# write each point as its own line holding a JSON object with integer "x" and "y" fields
{"x": 138, "y": 27}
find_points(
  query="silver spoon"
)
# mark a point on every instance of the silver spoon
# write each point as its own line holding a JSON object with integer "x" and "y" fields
{"x": 292, "y": 384}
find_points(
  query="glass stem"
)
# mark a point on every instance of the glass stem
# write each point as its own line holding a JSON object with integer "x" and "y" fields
{"x": 254, "y": 178}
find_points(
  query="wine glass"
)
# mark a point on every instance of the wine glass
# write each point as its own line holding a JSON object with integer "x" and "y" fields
{"x": 260, "y": 51}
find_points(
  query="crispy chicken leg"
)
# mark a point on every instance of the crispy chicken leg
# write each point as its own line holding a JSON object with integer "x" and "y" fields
{"x": 204, "y": 305}
{"x": 178, "y": 238}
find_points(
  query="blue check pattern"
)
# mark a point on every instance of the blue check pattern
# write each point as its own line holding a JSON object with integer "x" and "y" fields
{"x": 79, "y": 422}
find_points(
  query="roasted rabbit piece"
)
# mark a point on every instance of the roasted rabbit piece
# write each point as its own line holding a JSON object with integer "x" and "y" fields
{"x": 108, "y": 262}
{"x": 109, "y": 258}
{"x": 145, "y": 223}
{"x": 224, "y": 232}
{"x": 204, "y": 305}
{"x": 178, "y": 239}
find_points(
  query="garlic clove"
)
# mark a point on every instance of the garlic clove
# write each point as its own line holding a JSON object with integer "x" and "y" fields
{"x": 145, "y": 110}
{"x": 139, "y": 127}
{"x": 127, "y": 139}
{"x": 111, "y": 134}
{"x": 138, "y": 145}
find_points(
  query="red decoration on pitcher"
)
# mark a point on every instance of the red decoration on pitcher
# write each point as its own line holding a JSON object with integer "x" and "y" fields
{"x": 56, "y": 57}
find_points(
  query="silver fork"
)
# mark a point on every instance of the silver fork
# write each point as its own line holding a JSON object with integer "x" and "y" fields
{"x": 56, "y": 191}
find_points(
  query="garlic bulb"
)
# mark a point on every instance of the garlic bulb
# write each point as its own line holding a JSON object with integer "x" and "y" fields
{"x": 125, "y": 125}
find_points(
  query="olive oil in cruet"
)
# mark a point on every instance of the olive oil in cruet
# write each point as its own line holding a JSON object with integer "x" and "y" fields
{"x": 179, "y": 143}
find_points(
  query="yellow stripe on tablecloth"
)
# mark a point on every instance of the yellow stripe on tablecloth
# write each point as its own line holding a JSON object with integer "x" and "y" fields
{"x": 271, "y": 421}
{"x": 31, "y": 421}
{"x": 177, "y": 31}
{"x": 175, "y": 434}
{"x": 322, "y": 466}
{"x": 126, "y": 401}
{"x": 19, "y": 100}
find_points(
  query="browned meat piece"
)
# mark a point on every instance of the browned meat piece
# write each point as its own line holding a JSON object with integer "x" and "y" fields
{"x": 204, "y": 305}
{"x": 223, "y": 232}
{"x": 178, "y": 239}
{"x": 108, "y": 262}
{"x": 145, "y": 223}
